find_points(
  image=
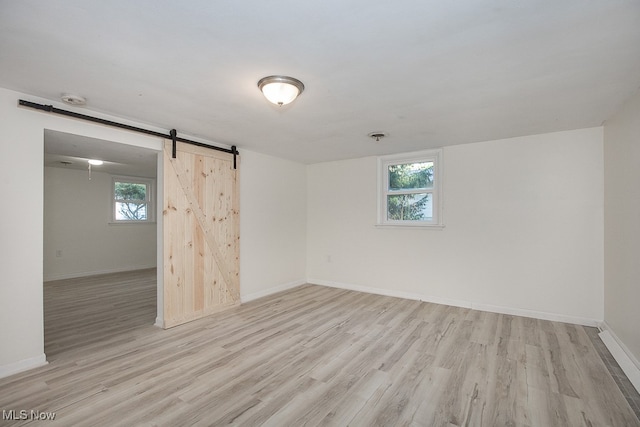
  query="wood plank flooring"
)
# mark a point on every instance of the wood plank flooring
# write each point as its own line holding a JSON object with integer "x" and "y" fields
{"x": 309, "y": 356}
{"x": 92, "y": 309}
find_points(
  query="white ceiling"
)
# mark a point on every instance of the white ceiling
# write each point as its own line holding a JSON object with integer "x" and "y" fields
{"x": 64, "y": 150}
{"x": 430, "y": 73}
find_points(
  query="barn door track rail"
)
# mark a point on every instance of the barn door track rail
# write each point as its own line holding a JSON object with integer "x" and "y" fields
{"x": 173, "y": 135}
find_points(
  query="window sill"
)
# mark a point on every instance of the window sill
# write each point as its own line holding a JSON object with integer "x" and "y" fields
{"x": 132, "y": 223}
{"x": 415, "y": 226}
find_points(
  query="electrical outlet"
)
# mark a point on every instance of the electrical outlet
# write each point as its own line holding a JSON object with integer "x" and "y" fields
{"x": 58, "y": 253}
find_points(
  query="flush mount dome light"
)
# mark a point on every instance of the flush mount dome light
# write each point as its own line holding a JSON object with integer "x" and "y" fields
{"x": 280, "y": 90}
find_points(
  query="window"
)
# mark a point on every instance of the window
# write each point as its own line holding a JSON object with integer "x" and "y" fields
{"x": 410, "y": 189}
{"x": 131, "y": 201}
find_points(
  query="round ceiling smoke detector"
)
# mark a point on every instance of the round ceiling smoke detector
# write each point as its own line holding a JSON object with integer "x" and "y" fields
{"x": 73, "y": 99}
{"x": 377, "y": 135}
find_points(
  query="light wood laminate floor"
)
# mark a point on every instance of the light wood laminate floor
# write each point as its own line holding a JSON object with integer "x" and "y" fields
{"x": 309, "y": 356}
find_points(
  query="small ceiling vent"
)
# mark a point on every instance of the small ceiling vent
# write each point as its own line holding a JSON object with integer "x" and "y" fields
{"x": 377, "y": 135}
{"x": 73, "y": 99}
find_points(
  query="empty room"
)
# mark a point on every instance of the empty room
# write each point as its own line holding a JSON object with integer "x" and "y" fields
{"x": 418, "y": 213}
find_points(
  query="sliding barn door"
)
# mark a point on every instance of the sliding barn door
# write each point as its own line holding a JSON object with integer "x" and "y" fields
{"x": 201, "y": 238}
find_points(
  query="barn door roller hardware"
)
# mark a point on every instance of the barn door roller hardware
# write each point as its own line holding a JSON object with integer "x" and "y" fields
{"x": 172, "y": 135}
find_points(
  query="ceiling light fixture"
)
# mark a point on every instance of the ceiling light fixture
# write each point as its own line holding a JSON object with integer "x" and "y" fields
{"x": 93, "y": 162}
{"x": 280, "y": 90}
{"x": 73, "y": 99}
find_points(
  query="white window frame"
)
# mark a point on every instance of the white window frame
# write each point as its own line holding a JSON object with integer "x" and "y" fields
{"x": 150, "y": 183}
{"x": 384, "y": 162}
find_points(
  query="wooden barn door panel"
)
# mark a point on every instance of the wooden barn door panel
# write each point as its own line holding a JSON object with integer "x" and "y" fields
{"x": 201, "y": 237}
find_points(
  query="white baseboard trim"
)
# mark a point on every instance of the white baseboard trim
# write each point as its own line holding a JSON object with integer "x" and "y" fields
{"x": 271, "y": 290}
{"x": 159, "y": 322}
{"x": 461, "y": 303}
{"x": 48, "y": 278}
{"x": 388, "y": 293}
{"x": 541, "y": 315}
{"x": 627, "y": 361}
{"x": 23, "y": 365}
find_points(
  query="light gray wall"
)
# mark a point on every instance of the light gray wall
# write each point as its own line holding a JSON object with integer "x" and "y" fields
{"x": 622, "y": 226}
{"x": 77, "y": 223}
{"x": 523, "y": 229}
{"x": 529, "y": 236}
{"x": 21, "y": 244}
{"x": 273, "y": 221}
{"x": 272, "y": 241}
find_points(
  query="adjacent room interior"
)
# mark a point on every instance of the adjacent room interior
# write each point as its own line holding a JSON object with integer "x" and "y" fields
{"x": 87, "y": 236}
{"x": 409, "y": 214}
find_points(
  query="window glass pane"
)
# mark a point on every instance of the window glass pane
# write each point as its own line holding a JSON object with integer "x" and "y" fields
{"x": 410, "y": 207}
{"x": 130, "y": 191}
{"x": 411, "y": 176}
{"x": 131, "y": 211}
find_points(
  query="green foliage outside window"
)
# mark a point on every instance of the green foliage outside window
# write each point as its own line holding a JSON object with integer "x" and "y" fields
{"x": 131, "y": 201}
{"x": 411, "y": 176}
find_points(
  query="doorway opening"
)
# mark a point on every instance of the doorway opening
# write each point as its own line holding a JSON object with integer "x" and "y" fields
{"x": 100, "y": 272}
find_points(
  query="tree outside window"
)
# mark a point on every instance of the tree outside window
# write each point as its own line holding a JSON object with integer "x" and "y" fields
{"x": 130, "y": 203}
{"x": 131, "y": 199}
{"x": 412, "y": 206}
{"x": 410, "y": 188}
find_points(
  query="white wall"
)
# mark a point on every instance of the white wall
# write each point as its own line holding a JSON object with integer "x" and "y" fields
{"x": 77, "y": 216}
{"x": 273, "y": 219}
{"x": 622, "y": 226}
{"x": 523, "y": 229}
{"x": 21, "y": 241}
